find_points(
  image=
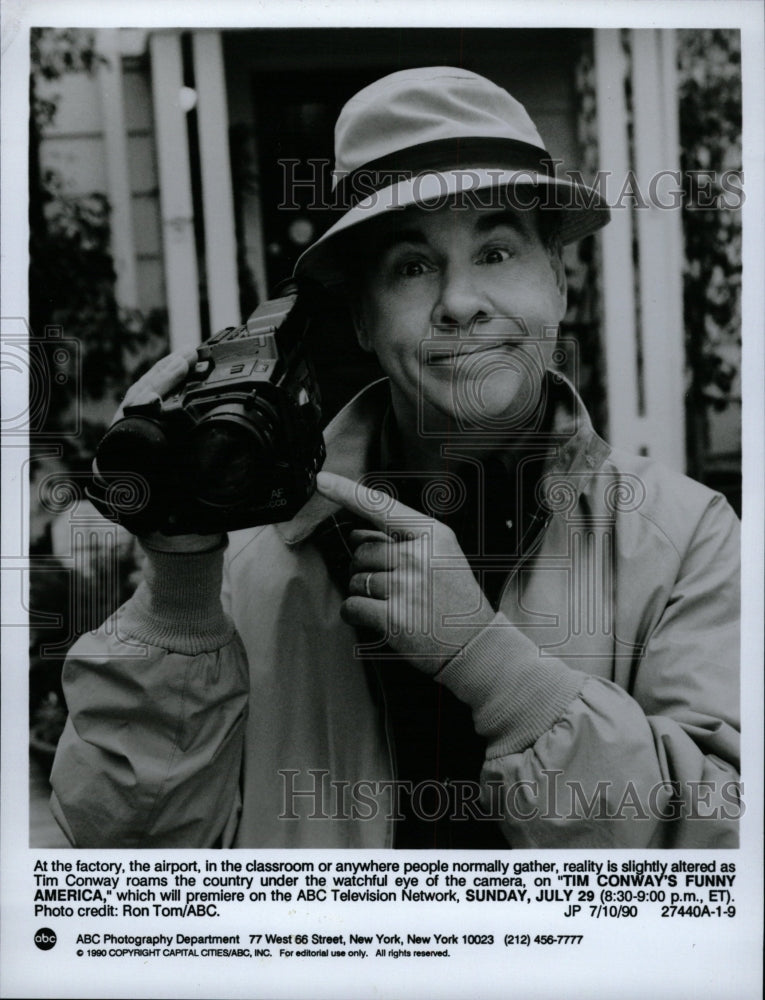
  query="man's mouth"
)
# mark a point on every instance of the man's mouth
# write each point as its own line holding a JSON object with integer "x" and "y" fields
{"x": 450, "y": 355}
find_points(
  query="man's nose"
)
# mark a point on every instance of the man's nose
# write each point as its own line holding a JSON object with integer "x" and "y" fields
{"x": 461, "y": 300}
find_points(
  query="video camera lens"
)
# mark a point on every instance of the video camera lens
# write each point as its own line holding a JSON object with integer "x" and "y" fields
{"x": 135, "y": 444}
{"x": 233, "y": 453}
{"x": 237, "y": 445}
{"x": 133, "y": 471}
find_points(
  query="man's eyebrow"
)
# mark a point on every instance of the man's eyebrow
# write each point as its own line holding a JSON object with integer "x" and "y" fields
{"x": 503, "y": 217}
{"x": 392, "y": 239}
{"x": 484, "y": 224}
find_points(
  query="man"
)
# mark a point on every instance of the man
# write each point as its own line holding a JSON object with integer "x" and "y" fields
{"x": 527, "y": 639}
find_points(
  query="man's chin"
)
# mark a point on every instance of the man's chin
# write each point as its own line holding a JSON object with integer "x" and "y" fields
{"x": 490, "y": 416}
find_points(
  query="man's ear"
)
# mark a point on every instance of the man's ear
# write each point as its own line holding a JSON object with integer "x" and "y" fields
{"x": 559, "y": 270}
{"x": 357, "y": 318}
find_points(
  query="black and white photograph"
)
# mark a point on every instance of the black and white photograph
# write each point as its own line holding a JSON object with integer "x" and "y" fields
{"x": 382, "y": 449}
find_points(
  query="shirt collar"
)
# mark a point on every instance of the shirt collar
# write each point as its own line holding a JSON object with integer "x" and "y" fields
{"x": 357, "y": 440}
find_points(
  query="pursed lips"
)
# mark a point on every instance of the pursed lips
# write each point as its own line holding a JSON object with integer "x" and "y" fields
{"x": 453, "y": 354}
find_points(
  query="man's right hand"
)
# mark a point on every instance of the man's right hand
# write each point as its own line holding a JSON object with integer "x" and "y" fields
{"x": 160, "y": 380}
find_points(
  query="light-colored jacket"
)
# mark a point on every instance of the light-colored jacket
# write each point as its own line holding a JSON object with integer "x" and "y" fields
{"x": 606, "y": 687}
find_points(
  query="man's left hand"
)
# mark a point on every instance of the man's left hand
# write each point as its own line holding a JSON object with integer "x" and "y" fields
{"x": 410, "y": 579}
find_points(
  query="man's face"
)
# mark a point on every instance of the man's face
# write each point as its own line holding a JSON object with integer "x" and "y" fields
{"x": 461, "y": 308}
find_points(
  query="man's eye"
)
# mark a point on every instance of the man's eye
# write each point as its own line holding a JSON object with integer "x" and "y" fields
{"x": 495, "y": 255}
{"x": 412, "y": 268}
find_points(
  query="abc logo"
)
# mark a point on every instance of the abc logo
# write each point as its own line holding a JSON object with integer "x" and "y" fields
{"x": 45, "y": 938}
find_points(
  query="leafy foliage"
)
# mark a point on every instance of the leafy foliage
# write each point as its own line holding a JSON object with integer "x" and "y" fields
{"x": 710, "y": 137}
{"x": 71, "y": 287}
{"x": 71, "y": 275}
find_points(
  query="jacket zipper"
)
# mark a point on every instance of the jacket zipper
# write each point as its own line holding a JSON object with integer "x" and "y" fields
{"x": 540, "y": 530}
{"x": 535, "y": 544}
{"x": 391, "y": 749}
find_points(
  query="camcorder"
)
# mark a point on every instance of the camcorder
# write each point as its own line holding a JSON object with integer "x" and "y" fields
{"x": 239, "y": 444}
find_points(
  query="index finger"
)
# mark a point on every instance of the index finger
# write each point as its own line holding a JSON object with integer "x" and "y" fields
{"x": 375, "y": 506}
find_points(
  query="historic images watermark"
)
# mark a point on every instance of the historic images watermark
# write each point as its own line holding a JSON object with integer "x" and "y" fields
{"x": 312, "y": 794}
{"x": 311, "y": 184}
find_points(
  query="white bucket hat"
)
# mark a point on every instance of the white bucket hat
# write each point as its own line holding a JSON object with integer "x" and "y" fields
{"x": 426, "y": 136}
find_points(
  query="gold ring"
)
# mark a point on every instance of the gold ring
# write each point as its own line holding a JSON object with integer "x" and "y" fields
{"x": 367, "y": 591}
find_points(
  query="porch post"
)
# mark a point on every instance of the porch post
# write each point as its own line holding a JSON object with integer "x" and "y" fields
{"x": 118, "y": 179}
{"x": 619, "y": 317}
{"x": 176, "y": 205}
{"x": 642, "y": 247}
{"x": 217, "y": 194}
{"x": 660, "y": 241}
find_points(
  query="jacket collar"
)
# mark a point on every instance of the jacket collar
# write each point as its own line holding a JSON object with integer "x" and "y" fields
{"x": 352, "y": 439}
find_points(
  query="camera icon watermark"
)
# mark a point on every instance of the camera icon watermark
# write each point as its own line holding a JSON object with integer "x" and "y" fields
{"x": 85, "y": 572}
{"x": 34, "y": 370}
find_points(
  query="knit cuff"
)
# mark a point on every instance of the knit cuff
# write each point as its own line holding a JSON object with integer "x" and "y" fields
{"x": 177, "y": 606}
{"x": 514, "y": 693}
